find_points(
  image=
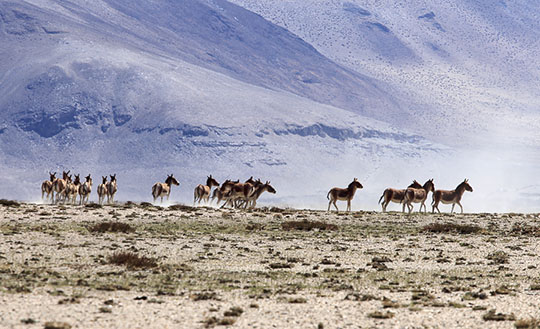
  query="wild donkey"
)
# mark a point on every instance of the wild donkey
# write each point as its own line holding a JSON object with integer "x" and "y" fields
{"x": 47, "y": 188}
{"x": 220, "y": 192}
{"x": 164, "y": 189}
{"x": 343, "y": 194}
{"x": 202, "y": 192}
{"x": 111, "y": 189}
{"x": 102, "y": 189}
{"x": 85, "y": 190}
{"x": 60, "y": 184}
{"x": 452, "y": 197}
{"x": 418, "y": 195}
{"x": 395, "y": 195}
{"x": 259, "y": 189}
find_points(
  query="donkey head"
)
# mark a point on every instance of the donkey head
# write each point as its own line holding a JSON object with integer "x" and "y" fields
{"x": 269, "y": 187}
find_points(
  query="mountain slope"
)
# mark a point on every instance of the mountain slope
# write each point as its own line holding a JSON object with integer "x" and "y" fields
{"x": 466, "y": 71}
{"x": 188, "y": 87}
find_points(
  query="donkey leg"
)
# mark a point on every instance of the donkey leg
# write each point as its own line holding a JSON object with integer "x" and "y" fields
{"x": 329, "y": 204}
{"x": 459, "y": 204}
{"x": 335, "y": 205}
{"x": 452, "y": 211}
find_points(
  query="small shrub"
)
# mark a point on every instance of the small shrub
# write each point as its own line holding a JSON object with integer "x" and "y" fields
{"x": 131, "y": 260}
{"x": 492, "y": 316}
{"x": 381, "y": 315}
{"x": 9, "y": 203}
{"x": 234, "y": 311}
{"x": 527, "y": 324}
{"x": 204, "y": 295}
{"x": 176, "y": 207}
{"x": 308, "y": 226}
{"x": 498, "y": 257}
{"x": 297, "y": 300}
{"x": 111, "y": 227}
{"x": 93, "y": 205}
{"x": 524, "y": 229}
{"x": 451, "y": 228}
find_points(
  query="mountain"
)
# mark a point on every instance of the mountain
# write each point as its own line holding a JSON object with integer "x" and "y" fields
{"x": 144, "y": 89}
{"x": 466, "y": 71}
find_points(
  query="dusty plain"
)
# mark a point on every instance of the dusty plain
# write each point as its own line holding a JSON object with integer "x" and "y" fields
{"x": 134, "y": 265}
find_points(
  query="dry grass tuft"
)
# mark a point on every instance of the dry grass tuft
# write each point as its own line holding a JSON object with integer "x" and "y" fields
{"x": 111, "y": 227}
{"x": 93, "y": 205}
{"x": 524, "y": 229}
{"x": 131, "y": 260}
{"x": 234, "y": 312}
{"x": 451, "y": 228}
{"x": 527, "y": 324}
{"x": 381, "y": 315}
{"x": 204, "y": 295}
{"x": 492, "y": 316}
{"x": 498, "y": 257}
{"x": 176, "y": 207}
{"x": 308, "y": 226}
{"x": 9, "y": 203}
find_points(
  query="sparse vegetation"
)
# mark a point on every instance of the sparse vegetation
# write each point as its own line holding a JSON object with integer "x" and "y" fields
{"x": 451, "y": 228}
{"x": 111, "y": 227}
{"x": 527, "y": 324}
{"x": 9, "y": 203}
{"x": 491, "y": 315}
{"x": 382, "y": 262}
{"x": 308, "y": 226}
{"x": 131, "y": 260}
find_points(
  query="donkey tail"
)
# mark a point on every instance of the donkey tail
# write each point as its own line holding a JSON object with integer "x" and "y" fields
{"x": 154, "y": 190}
{"x": 382, "y": 196}
{"x": 328, "y": 195}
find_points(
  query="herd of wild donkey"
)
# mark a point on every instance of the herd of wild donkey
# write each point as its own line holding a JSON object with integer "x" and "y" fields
{"x": 244, "y": 195}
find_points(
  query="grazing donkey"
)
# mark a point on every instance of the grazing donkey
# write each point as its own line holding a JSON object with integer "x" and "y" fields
{"x": 85, "y": 190}
{"x": 259, "y": 189}
{"x": 47, "y": 188}
{"x": 102, "y": 189}
{"x": 343, "y": 194}
{"x": 164, "y": 189}
{"x": 418, "y": 195}
{"x": 453, "y": 197}
{"x": 111, "y": 189}
{"x": 395, "y": 195}
{"x": 202, "y": 192}
{"x": 60, "y": 184}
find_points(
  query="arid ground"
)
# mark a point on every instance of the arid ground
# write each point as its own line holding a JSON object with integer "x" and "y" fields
{"x": 140, "y": 266}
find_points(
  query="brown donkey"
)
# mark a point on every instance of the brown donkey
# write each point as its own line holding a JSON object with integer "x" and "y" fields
{"x": 112, "y": 187}
{"x": 47, "y": 188}
{"x": 102, "y": 189}
{"x": 453, "y": 197}
{"x": 164, "y": 189}
{"x": 202, "y": 192}
{"x": 418, "y": 195}
{"x": 239, "y": 192}
{"x": 85, "y": 189}
{"x": 259, "y": 189}
{"x": 59, "y": 185}
{"x": 343, "y": 194}
{"x": 220, "y": 192}
{"x": 72, "y": 189}
{"x": 395, "y": 195}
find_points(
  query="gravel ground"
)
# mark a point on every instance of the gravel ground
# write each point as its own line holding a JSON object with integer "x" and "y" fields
{"x": 140, "y": 266}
